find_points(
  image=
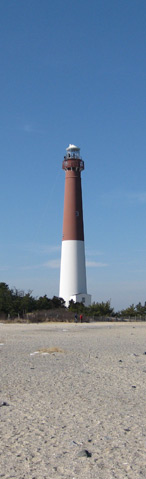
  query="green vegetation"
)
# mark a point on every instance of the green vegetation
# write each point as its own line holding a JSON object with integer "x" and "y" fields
{"x": 15, "y": 303}
{"x": 95, "y": 310}
{"x": 132, "y": 310}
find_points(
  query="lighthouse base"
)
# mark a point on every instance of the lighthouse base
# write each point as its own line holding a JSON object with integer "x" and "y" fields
{"x": 82, "y": 298}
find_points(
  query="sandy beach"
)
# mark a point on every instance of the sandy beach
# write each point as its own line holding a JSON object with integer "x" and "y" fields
{"x": 77, "y": 412}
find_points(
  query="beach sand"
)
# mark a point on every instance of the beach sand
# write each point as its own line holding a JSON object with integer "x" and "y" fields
{"x": 77, "y": 412}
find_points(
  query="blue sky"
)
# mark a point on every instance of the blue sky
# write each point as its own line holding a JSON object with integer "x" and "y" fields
{"x": 73, "y": 71}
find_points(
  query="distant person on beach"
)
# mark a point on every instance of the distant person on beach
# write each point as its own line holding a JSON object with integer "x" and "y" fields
{"x": 76, "y": 318}
{"x": 81, "y": 318}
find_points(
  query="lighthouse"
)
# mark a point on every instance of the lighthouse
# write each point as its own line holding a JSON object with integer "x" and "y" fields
{"x": 73, "y": 271}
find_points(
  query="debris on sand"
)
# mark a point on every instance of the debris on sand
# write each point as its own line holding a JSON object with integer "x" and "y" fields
{"x": 48, "y": 351}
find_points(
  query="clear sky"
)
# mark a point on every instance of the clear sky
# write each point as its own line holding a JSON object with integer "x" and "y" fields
{"x": 73, "y": 71}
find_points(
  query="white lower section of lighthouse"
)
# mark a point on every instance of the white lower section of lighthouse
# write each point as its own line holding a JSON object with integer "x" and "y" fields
{"x": 73, "y": 273}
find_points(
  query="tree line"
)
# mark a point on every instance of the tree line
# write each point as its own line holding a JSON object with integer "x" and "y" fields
{"x": 14, "y": 302}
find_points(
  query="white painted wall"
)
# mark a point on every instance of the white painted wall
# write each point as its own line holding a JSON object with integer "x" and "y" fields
{"x": 72, "y": 271}
{"x": 82, "y": 298}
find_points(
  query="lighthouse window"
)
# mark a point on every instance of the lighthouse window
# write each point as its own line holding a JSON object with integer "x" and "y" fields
{"x": 77, "y": 213}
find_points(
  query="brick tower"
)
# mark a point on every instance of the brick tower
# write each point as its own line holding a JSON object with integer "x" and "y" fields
{"x": 73, "y": 271}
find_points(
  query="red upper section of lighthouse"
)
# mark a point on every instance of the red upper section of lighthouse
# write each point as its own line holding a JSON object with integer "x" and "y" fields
{"x": 73, "y": 228}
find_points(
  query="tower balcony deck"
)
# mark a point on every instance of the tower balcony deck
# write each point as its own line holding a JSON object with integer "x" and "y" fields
{"x": 72, "y": 163}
